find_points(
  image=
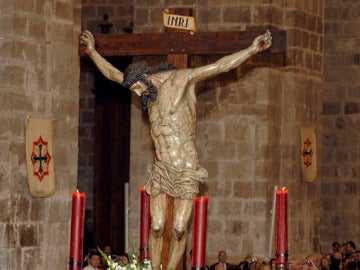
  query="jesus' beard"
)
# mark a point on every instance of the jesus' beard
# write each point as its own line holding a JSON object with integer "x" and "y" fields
{"x": 151, "y": 94}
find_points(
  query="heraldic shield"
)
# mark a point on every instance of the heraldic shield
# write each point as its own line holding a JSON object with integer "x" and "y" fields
{"x": 39, "y": 156}
{"x": 308, "y": 154}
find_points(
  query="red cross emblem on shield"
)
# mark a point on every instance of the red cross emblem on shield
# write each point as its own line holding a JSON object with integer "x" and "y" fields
{"x": 307, "y": 153}
{"x": 40, "y": 158}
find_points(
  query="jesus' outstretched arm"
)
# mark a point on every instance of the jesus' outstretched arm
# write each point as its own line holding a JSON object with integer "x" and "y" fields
{"x": 231, "y": 61}
{"x": 107, "y": 69}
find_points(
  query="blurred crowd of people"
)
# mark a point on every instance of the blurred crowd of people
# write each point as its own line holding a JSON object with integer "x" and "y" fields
{"x": 342, "y": 257}
{"x": 94, "y": 261}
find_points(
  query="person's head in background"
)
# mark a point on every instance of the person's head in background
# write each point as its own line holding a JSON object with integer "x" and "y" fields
{"x": 94, "y": 259}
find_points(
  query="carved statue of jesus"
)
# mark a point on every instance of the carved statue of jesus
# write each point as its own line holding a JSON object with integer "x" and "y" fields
{"x": 168, "y": 95}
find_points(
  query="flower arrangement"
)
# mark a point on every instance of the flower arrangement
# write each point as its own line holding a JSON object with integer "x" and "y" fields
{"x": 134, "y": 262}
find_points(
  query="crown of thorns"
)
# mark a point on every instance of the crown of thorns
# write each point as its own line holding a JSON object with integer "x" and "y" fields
{"x": 135, "y": 71}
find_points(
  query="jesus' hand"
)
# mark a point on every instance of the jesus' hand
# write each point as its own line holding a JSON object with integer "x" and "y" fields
{"x": 263, "y": 42}
{"x": 88, "y": 40}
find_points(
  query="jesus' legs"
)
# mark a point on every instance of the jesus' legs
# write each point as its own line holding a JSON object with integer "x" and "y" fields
{"x": 181, "y": 216}
{"x": 158, "y": 213}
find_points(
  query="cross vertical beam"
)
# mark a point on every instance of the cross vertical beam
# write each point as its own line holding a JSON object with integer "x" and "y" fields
{"x": 180, "y": 61}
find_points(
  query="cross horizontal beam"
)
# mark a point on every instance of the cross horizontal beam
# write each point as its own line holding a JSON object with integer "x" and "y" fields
{"x": 168, "y": 43}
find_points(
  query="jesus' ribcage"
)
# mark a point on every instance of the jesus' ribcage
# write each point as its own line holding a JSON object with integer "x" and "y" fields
{"x": 173, "y": 135}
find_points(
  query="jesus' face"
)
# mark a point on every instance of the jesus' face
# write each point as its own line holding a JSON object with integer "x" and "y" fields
{"x": 139, "y": 88}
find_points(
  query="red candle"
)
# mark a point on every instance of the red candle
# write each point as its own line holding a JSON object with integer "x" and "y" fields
{"x": 281, "y": 226}
{"x": 199, "y": 233}
{"x": 145, "y": 223}
{"x": 77, "y": 230}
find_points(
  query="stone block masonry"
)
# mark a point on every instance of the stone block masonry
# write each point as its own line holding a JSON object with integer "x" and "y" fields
{"x": 341, "y": 118}
{"x": 39, "y": 71}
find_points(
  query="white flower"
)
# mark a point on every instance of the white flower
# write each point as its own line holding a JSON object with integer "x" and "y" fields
{"x": 134, "y": 262}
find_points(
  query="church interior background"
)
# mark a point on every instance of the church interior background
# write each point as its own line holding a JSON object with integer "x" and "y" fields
{"x": 248, "y": 127}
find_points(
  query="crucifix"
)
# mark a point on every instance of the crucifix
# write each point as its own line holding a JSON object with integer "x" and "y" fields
{"x": 168, "y": 95}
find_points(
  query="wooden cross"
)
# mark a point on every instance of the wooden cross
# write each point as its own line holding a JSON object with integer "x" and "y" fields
{"x": 178, "y": 45}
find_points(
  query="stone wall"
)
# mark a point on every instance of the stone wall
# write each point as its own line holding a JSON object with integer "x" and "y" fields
{"x": 302, "y": 97}
{"x": 39, "y": 74}
{"x": 249, "y": 126}
{"x": 341, "y": 186}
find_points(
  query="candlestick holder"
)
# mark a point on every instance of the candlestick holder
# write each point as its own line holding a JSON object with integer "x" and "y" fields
{"x": 282, "y": 266}
{"x": 144, "y": 253}
{"x": 198, "y": 268}
{"x": 282, "y": 261}
{"x": 74, "y": 265}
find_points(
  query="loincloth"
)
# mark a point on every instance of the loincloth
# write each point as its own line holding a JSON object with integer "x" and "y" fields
{"x": 183, "y": 183}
